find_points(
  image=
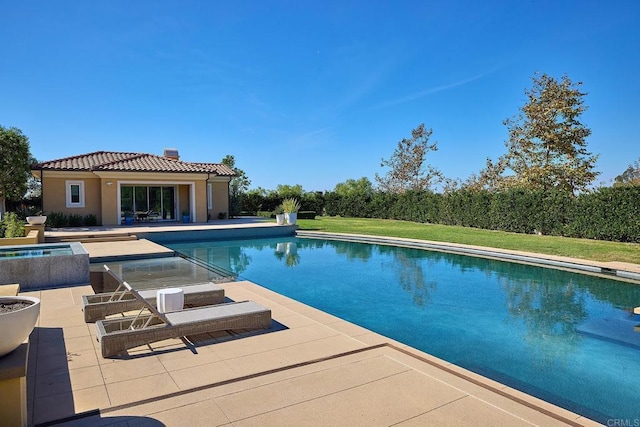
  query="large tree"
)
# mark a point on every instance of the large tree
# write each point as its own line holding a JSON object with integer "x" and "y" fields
{"x": 351, "y": 187}
{"x": 15, "y": 159}
{"x": 489, "y": 178}
{"x": 408, "y": 170}
{"x": 34, "y": 186}
{"x": 547, "y": 145}
{"x": 286, "y": 191}
{"x": 631, "y": 176}
{"x": 237, "y": 186}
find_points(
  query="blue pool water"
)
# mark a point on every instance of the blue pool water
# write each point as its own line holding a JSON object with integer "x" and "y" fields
{"x": 564, "y": 337}
{"x": 34, "y": 251}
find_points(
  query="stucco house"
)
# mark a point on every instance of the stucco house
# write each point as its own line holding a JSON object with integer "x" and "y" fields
{"x": 146, "y": 187}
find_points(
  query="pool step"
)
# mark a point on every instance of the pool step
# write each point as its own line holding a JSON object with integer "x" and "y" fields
{"x": 224, "y": 275}
{"x": 89, "y": 238}
{"x": 616, "y": 330}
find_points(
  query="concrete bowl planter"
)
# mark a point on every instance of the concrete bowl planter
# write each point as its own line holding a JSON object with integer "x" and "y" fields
{"x": 17, "y": 323}
{"x": 37, "y": 220}
{"x": 291, "y": 217}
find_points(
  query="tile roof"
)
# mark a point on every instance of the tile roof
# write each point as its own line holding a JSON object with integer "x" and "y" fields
{"x": 131, "y": 162}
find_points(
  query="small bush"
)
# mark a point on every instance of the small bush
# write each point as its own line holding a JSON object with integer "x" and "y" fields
{"x": 13, "y": 225}
{"x": 75, "y": 220}
{"x": 57, "y": 220}
{"x": 90, "y": 220}
{"x": 307, "y": 215}
{"x": 265, "y": 214}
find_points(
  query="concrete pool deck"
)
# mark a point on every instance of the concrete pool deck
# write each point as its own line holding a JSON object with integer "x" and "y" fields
{"x": 310, "y": 368}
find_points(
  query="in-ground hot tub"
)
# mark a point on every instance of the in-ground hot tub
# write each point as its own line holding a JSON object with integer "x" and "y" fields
{"x": 44, "y": 266}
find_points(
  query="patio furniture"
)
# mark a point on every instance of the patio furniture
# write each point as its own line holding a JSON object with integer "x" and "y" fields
{"x": 149, "y": 215}
{"x": 120, "y": 334}
{"x": 99, "y": 306}
{"x": 153, "y": 216}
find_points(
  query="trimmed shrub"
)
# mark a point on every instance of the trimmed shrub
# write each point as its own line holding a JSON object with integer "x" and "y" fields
{"x": 307, "y": 215}
{"x": 57, "y": 220}
{"x": 75, "y": 220}
{"x": 266, "y": 214}
{"x": 611, "y": 213}
{"x": 90, "y": 220}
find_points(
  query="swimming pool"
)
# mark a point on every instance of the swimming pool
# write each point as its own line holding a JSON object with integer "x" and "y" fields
{"x": 564, "y": 337}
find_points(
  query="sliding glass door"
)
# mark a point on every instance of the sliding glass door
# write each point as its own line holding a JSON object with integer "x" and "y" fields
{"x": 126, "y": 200}
{"x": 169, "y": 203}
{"x": 146, "y": 202}
{"x": 155, "y": 199}
{"x": 141, "y": 199}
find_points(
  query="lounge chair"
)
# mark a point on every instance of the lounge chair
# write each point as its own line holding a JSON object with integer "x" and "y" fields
{"x": 120, "y": 334}
{"x": 99, "y": 306}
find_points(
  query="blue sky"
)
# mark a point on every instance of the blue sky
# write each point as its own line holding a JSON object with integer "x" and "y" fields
{"x": 311, "y": 93}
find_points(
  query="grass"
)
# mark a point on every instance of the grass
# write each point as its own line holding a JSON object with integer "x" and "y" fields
{"x": 595, "y": 250}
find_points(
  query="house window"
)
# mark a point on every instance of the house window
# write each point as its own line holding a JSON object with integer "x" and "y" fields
{"x": 75, "y": 194}
{"x": 209, "y": 196}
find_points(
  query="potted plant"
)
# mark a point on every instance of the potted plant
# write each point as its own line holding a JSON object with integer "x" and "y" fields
{"x": 279, "y": 211}
{"x": 128, "y": 217}
{"x": 185, "y": 216}
{"x": 291, "y": 207}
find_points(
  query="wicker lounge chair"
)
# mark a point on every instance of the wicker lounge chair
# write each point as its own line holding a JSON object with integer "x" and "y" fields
{"x": 99, "y": 306}
{"x": 120, "y": 334}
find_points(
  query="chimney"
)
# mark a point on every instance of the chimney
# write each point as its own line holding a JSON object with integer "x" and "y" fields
{"x": 171, "y": 153}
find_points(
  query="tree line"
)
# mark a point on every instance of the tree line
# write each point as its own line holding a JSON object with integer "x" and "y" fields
{"x": 546, "y": 150}
{"x": 543, "y": 183}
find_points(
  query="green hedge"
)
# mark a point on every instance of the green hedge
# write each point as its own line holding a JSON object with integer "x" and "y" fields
{"x": 255, "y": 203}
{"x": 307, "y": 215}
{"x": 611, "y": 213}
{"x": 59, "y": 219}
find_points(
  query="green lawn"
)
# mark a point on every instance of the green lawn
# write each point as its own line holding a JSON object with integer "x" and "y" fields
{"x": 595, "y": 250}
